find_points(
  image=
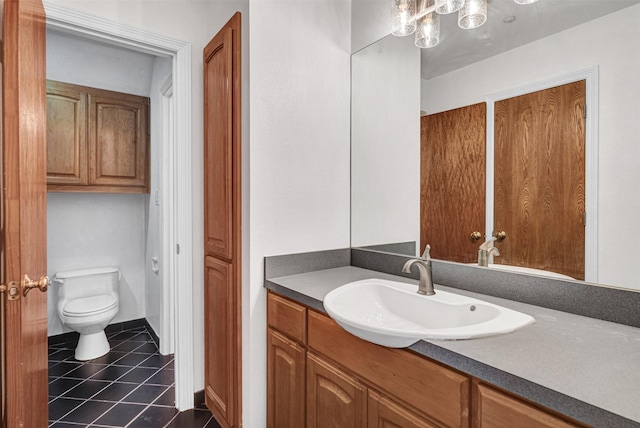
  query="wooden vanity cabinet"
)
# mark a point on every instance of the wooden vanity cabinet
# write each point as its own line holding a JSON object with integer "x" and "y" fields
{"x": 97, "y": 140}
{"x": 311, "y": 384}
{"x": 321, "y": 376}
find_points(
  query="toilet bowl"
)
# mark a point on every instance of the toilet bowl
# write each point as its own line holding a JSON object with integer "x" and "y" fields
{"x": 87, "y": 302}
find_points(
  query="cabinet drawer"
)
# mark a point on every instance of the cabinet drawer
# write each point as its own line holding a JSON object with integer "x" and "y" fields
{"x": 496, "y": 409}
{"x": 287, "y": 317}
{"x": 438, "y": 392}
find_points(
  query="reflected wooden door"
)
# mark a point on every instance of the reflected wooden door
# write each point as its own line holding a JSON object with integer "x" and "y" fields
{"x": 540, "y": 179}
{"x": 452, "y": 182}
{"x": 24, "y": 212}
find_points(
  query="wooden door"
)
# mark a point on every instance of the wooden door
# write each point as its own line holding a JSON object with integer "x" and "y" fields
{"x": 384, "y": 413}
{"x": 286, "y": 362}
{"x": 452, "y": 182}
{"x": 540, "y": 179}
{"x": 118, "y": 139}
{"x": 334, "y": 399}
{"x": 222, "y": 214}
{"x": 66, "y": 134}
{"x": 24, "y": 238}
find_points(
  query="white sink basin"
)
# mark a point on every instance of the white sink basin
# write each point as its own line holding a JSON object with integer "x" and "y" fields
{"x": 392, "y": 314}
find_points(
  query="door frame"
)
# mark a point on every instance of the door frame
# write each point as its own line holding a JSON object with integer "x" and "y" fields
{"x": 590, "y": 75}
{"x": 175, "y": 173}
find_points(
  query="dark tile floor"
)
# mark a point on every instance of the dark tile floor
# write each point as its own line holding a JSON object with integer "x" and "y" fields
{"x": 131, "y": 386}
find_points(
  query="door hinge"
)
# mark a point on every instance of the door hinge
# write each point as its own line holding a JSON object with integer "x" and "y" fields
{"x": 584, "y": 218}
{"x": 585, "y": 111}
{"x": 12, "y": 290}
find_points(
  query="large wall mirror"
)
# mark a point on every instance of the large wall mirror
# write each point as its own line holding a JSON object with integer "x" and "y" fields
{"x": 521, "y": 49}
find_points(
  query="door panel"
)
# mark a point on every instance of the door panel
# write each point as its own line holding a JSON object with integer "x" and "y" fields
{"x": 218, "y": 147}
{"x": 540, "y": 179}
{"x": 334, "y": 399}
{"x": 219, "y": 300}
{"x": 24, "y": 209}
{"x": 66, "y": 134}
{"x": 452, "y": 182}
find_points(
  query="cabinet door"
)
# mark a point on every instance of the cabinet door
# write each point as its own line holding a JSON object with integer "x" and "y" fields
{"x": 285, "y": 382}
{"x": 66, "y": 134}
{"x": 118, "y": 140}
{"x": 334, "y": 399}
{"x": 496, "y": 409}
{"x": 219, "y": 330}
{"x": 384, "y": 413}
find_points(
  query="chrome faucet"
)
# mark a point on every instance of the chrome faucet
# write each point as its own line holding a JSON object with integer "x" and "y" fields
{"x": 425, "y": 285}
{"x": 485, "y": 251}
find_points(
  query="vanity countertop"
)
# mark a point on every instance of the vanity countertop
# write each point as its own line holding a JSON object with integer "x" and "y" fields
{"x": 582, "y": 367}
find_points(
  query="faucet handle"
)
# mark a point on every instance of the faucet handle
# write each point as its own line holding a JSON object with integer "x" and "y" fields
{"x": 426, "y": 255}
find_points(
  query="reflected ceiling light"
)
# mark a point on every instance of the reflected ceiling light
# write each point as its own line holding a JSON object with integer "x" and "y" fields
{"x": 426, "y": 21}
{"x": 448, "y": 6}
{"x": 403, "y": 17}
{"x": 473, "y": 14}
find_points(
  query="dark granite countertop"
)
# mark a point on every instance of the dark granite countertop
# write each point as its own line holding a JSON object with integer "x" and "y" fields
{"x": 585, "y": 368}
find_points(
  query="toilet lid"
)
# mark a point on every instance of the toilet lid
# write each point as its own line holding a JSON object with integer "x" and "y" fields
{"x": 90, "y": 305}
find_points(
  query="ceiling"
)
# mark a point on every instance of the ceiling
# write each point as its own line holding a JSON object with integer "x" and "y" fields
{"x": 459, "y": 48}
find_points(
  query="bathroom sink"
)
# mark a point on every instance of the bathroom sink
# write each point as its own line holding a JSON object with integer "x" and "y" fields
{"x": 392, "y": 314}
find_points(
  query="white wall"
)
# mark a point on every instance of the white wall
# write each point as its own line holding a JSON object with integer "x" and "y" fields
{"x": 299, "y": 152}
{"x": 82, "y": 232}
{"x": 613, "y": 44}
{"x": 162, "y": 68}
{"x": 385, "y": 144}
{"x": 87, "y": 230}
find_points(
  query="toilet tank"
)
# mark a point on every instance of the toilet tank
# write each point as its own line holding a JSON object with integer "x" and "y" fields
{"x": 75, "y": 284}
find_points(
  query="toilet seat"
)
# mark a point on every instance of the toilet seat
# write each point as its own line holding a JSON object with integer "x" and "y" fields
{"x": 93, "y": 305}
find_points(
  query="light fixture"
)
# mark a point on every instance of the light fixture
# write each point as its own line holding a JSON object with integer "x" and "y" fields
{"x": 473, "y": 14}
{"x": 428, "y": 31}
{"x": 426, "y": 21}
{"x": 403, "y": 17}
{"x": 444, "y": 7}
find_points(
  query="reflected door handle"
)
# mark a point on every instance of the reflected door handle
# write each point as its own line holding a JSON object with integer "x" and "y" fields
{"x": 500, "y": 236}
{"x": 475, "y": 236}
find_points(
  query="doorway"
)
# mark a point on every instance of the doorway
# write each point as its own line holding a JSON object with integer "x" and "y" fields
{"x": 174, "y": 173}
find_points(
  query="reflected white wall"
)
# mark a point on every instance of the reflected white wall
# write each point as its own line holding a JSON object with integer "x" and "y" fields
{"x": 385, "y": 143}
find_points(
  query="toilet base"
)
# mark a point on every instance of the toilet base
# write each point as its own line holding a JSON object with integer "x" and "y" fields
{"x": 92, "y": 346}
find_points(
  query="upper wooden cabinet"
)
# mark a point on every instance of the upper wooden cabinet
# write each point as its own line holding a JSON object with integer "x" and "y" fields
{"x": 97, "y": 140}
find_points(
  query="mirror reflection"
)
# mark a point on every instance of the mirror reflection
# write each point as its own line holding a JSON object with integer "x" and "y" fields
{"x": 575, "y": 214}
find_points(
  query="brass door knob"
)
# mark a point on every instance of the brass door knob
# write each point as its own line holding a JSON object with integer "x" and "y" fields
{"x": 28, "y": 284}
{"x": 476, "y": 236}
{"x": 500, "y": 236}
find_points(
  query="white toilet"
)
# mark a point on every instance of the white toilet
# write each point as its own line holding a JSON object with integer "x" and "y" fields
{"x": 87, "y": 302}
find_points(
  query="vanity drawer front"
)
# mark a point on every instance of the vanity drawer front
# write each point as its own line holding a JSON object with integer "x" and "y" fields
{"x": 287, "y": 317}
{"x": 496, "y": 409}
{"x": 430, "y": 388}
